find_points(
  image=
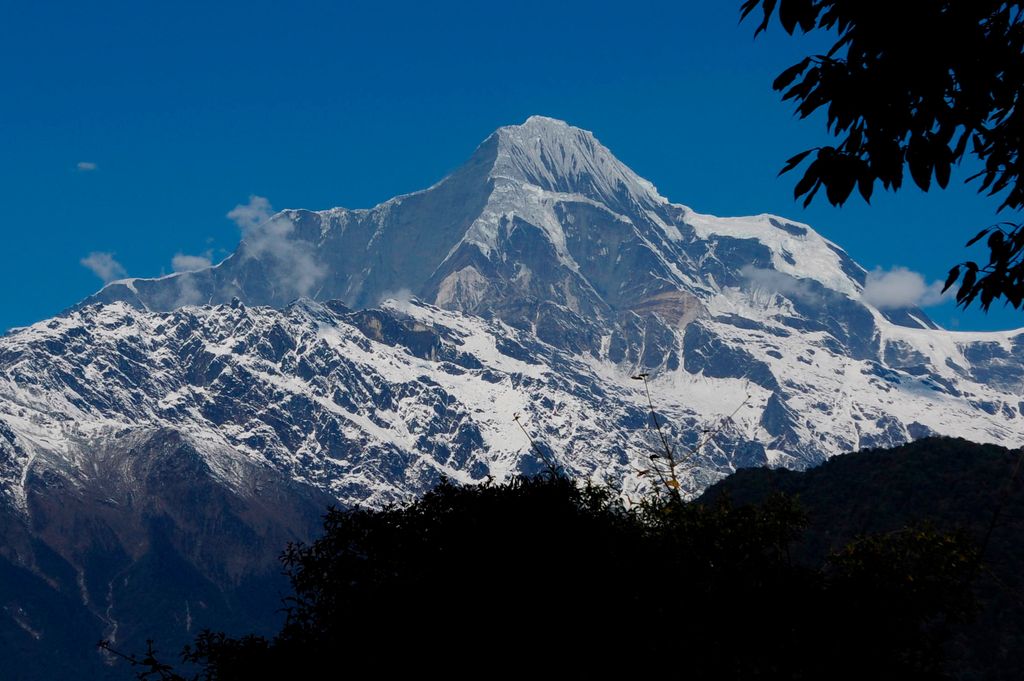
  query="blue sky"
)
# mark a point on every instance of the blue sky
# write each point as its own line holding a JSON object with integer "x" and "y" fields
{"x": 179, "y": 111}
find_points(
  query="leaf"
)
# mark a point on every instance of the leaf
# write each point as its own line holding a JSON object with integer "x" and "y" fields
{"x": 920, "y": 165}
{"x": 810, "y": 194}
{"x": 672, "y": 483}
{"x": 942, "y": 168}
{"x": 801, "y": 90}
{"x": 786, "y": 77}
{"x": 987, "y": 294}
{"x": 1015, "y": 296}
{"x": 995, "y": 241}
{"x": 968, "y": 284}
{"x": 793, "y": 12}
{"x": 954, "y": 274}
{"x": 840, "y": 179}
{"x": 807, "y": 19}
{"x": 840, "y": 188}
{"x": 748, "y": 7}
{"x": 809, "y": 180}
{"x": 978, "y": 236}
{"x": 960, "y": 147}
{"x": 795, "y": 161}
{"x": 866, "y": 184}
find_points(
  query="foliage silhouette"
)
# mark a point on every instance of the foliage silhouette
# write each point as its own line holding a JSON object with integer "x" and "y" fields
{"x": 544, "y": 575}
{"x": 919, "y": 101}
{"x": 941, "y": 482}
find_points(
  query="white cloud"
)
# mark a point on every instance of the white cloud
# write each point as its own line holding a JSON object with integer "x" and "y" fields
{"x": 188, "y": 291}
{"x": 249, "y": 216}
{"x": 290, "y": 263}
{"x": 901, "y": 287}
{"x": 86, "y": 166}
{"x": 182, "y": 262}
{"x": 104, "y": 266}
{"x": 778, "y": 282}
{"x": 400, "y": 298}
{"x": 185, "y": 265}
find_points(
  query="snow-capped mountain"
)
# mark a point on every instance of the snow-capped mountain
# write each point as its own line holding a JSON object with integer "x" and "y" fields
{"x": 360, "y": 355}
{"x": 545, "y": 230}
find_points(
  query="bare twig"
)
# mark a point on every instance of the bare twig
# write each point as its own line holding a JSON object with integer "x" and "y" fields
{"x": 152, "y": 667}
{"x": 669, "y": 478}
{"x": 548, "y": 461}
{"x": 671, "y": 481}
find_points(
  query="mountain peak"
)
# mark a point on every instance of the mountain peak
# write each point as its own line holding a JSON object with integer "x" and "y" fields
{"x": 546, "y": 121}
{"x": 556, "y": 156}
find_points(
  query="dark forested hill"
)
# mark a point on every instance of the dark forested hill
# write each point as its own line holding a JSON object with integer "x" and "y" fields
{"x": 946, "y": 482}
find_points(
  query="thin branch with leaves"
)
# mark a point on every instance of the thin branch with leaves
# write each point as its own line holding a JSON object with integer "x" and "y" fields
{"x": 148, "y": 666}
{"x": 669, "y": 477}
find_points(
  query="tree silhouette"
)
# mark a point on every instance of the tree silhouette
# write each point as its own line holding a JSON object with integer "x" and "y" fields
{"x": 547, "y": 576}
{"x": 915, "y": 85}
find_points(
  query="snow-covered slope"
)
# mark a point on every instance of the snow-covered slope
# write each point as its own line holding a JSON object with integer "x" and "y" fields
{"x": 374, "y": 406}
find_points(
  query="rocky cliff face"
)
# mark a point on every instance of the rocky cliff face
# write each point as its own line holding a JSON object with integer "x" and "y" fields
{"x": 203, "y": 419}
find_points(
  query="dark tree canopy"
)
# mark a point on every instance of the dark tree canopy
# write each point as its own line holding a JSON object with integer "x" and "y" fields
{"x": 915, "y": 86}
{"x": 546, "y": 577}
